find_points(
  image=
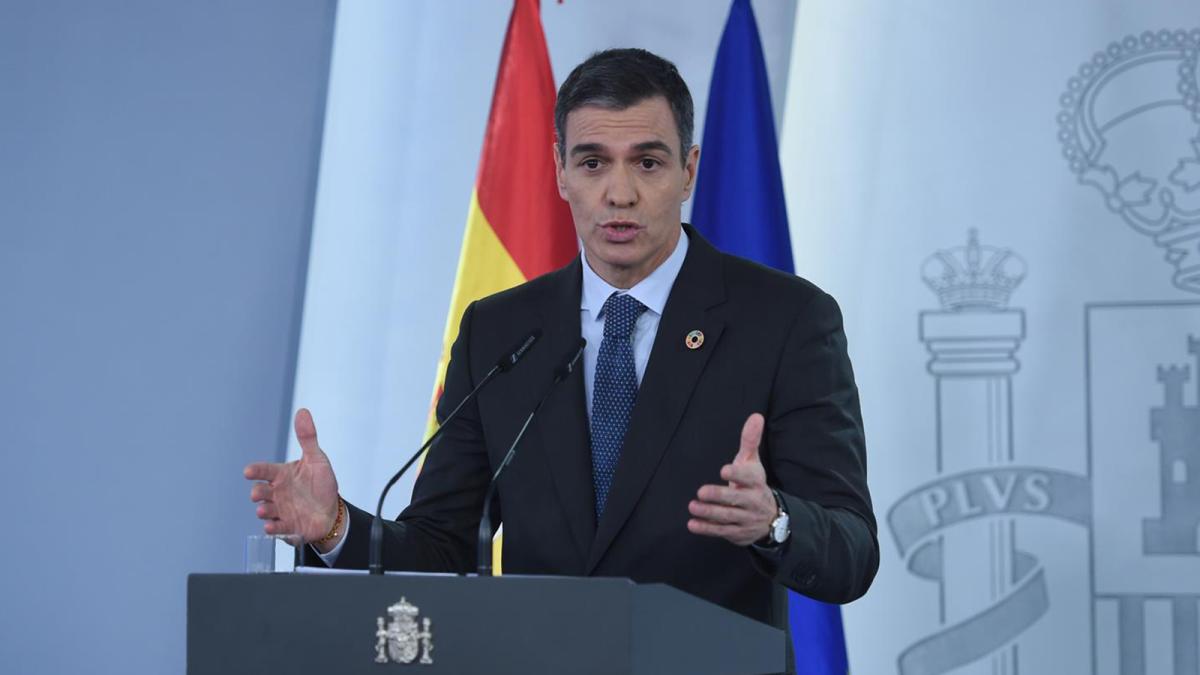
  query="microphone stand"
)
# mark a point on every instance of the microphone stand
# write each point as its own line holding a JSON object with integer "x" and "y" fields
{"x": 375, "y": 564}
{"x": 485, "y": 521}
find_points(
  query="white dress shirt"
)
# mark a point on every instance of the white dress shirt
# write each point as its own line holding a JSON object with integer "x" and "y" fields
{"x": 651, "y": 292}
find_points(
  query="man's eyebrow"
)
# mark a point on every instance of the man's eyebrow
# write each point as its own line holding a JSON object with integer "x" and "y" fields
{"x": 584, "y": 148}
{"x": 644, "y": 146}
{"x": 648, "y": 146}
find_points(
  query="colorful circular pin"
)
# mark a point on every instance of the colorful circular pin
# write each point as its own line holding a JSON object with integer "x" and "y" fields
{"x": 694, "y": 339}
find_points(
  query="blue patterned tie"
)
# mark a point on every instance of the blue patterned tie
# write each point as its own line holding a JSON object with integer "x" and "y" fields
{"x": 614, "y": 391}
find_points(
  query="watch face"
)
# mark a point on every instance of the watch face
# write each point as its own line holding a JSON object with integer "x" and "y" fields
{"x": 779, "y": 529}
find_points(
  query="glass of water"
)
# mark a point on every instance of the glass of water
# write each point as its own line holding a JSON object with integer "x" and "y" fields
{"x": 262, "y": 550}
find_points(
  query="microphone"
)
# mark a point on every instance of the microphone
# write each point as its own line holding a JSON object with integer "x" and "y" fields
{"x": 503, "y": 365}
{"x": 485, "y": 520}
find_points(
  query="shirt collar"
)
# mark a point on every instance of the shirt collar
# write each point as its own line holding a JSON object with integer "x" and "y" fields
{"x": 651, "y": 291}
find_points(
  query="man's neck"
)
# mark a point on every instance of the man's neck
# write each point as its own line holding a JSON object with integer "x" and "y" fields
{"x": 625, "y": 278}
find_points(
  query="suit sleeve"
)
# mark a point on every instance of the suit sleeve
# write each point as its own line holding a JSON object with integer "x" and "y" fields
{"x": 438, "y": 530}
{"x": 815, "y": 455}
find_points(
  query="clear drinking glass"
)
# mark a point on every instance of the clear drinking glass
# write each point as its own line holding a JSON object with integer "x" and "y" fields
{"x": 262, "y": 550}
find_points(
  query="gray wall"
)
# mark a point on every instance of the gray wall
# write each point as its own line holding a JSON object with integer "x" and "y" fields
{"x": 157, "y": 169}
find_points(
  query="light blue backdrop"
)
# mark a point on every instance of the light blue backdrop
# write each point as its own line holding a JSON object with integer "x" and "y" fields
{"x": 157, "y": 168}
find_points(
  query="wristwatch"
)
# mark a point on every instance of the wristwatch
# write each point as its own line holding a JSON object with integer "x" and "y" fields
{"x": 779, "y": 527}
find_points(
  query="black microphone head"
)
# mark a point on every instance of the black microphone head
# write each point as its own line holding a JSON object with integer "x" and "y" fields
{"x": 519, "y": 350}
{"x": 572, "y": 359}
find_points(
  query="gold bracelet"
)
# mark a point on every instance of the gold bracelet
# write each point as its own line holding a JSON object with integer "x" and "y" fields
{"x": 337, "y": 524}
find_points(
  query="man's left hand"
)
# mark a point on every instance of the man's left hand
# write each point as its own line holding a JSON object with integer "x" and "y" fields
{"x": 741, "y": 511}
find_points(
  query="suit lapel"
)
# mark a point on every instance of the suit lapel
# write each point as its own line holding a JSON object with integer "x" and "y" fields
{"x": 667, "y": 385}
{"x": 563, "y": 420}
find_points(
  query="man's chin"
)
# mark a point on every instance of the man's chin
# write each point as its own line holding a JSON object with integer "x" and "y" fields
{"x": 618, "y": 257}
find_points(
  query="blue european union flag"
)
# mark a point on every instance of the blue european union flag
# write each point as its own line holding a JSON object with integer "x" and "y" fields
{"x": 739, "y": 207}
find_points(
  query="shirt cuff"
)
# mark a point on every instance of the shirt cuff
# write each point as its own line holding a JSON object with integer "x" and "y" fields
{"x": 772, "y": 552}
{"x": 330, "y": 559}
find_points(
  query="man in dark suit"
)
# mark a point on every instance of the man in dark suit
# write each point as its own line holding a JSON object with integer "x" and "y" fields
{"x": 713, "y": 439}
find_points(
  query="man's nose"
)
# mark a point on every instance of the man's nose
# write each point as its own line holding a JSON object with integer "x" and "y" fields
{"x": 622, "y": 191}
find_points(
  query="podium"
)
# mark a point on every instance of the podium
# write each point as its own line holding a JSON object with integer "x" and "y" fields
{"x": 343, "y": 624}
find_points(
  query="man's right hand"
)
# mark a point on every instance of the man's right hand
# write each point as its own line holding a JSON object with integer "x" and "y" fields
{"x": 299, "y": 497}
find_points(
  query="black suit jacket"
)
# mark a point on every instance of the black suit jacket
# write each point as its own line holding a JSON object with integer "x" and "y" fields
{"x": 773, "y": 343}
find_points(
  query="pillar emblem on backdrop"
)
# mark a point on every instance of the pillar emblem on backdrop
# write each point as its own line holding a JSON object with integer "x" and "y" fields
{"x": 961, "y": 530}
{"x": 1129, "y": 127}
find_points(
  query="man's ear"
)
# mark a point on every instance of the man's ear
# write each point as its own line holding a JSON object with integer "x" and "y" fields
{"x": 559, "y": 171}
{"x": 690, "y": 166}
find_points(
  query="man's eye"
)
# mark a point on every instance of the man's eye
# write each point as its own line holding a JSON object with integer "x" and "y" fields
{"x": 591, "y": 163}
{"x": 649, "y": 163}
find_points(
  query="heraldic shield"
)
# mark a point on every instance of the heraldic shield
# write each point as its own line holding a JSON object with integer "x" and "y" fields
{"x": 400, "y": 640}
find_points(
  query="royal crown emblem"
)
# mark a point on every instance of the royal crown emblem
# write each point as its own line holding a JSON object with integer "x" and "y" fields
{"x": 401, "y": 641}
{"x": 973, "y": 277}
{"x": 1129, "y": 126}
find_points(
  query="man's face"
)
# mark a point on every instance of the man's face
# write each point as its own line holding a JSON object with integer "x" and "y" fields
{"x": 625, "y": 183}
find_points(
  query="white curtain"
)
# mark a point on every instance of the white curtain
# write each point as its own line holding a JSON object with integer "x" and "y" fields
{"x": 1004, "y": 197}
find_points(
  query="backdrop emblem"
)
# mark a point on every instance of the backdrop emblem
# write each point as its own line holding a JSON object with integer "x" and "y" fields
{"x": 1143, "y": 407}
{"x": 959, "y": 530}
{"x": 1130, "y": 127}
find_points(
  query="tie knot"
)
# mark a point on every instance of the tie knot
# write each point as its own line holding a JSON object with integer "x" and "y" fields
{"x": 621, "y": 312}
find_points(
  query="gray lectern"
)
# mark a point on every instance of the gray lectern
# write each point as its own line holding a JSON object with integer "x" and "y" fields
{"x": 325, "y": 624}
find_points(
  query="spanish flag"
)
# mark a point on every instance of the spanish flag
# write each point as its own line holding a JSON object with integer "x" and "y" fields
{"x": 517, "y": 225}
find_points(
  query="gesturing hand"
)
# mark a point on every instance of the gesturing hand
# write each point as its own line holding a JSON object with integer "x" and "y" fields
{"x": 741, "y": 511}
{"x": 299, "y": 497}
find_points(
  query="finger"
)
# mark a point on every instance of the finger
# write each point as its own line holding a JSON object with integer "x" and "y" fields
{"x": 750, "y": 474}
{"x": 697, "y": 526}
{"x": 721, "y": 495}
{"x": 306, "y": 433}
{"x": 267, "y": 511}
{"x": 715, "y": 513}
{"x": 262, "y": 471}
{"x": 752, "y": 432}
{"x": 261, "y": 492}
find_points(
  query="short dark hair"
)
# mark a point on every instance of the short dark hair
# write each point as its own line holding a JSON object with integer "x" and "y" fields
{"x": 620, "y": 78}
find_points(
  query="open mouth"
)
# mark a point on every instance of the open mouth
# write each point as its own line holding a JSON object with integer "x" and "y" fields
{"x": 620, "y": 230}
{"x": 620, "y": 226}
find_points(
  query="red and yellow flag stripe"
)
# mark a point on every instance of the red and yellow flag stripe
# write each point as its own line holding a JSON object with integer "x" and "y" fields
{"x": 517, "y": 225}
